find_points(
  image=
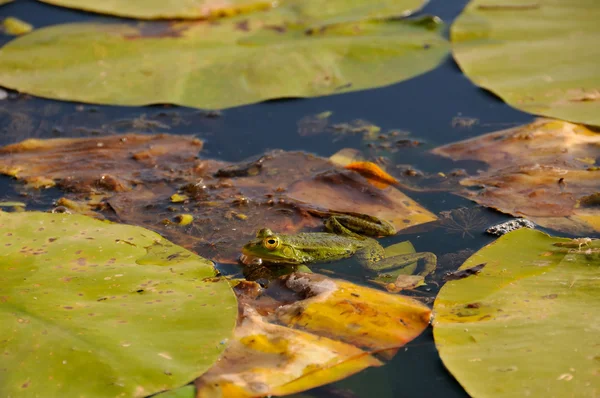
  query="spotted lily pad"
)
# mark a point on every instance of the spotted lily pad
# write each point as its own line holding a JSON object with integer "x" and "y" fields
{"x": 284, "y": 52}
{"x": 545, "y": 171}
{"x": 100, "y": 309}
{"x": 154, "y": 9}
{"x": 527, "y": 324}
{"x": 539, "y": 56}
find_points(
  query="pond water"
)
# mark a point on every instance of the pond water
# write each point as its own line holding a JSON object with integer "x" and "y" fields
{"x": 425, "y": 106}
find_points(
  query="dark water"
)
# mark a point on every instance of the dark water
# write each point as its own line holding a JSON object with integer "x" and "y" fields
{"x": 425, "y": 106}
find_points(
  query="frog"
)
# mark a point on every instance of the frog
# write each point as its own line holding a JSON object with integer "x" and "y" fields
{"x": 345, "y": 236}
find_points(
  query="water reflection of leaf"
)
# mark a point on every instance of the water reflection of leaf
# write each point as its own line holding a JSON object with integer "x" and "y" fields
{"x": 463, "y": 221}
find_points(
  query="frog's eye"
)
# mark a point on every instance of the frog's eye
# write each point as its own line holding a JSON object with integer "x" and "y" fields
{"x": 271, "y": 242}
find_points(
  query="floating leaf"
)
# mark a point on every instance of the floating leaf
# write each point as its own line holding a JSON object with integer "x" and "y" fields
{"x": 544, "y": 171}
{"x": 539, "y": 56}
{"x": 527, "y": 324}
{"x": 15, "y": 26}
{"x": 89, "y": 307}
{"x": 208, "y": 64}
{"x": 329, "y": 334}
{"x": 137, "y": 175}
{"x": 372, "y": 172}
{"x": 177, "y": 9}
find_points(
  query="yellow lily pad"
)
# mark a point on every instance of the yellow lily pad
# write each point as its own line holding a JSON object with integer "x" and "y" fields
{"x": 328, "y": 334}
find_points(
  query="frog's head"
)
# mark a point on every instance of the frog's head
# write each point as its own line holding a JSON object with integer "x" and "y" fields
{"x": 272, "y": 248}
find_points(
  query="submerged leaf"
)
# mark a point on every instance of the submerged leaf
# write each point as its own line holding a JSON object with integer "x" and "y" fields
{"x": 527, "y": 324}
{"x": 540, "y": 171}
{"x": 280, "y": 53}
{"x": 103, "y": 309}
{"x": 137, "y": 176}
{"x": 540, "y": 57}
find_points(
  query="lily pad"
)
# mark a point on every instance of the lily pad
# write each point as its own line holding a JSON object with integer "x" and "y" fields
{"x": 101, "y": 309}
{"x": 192, "y": 9}
{"x": 545, "y": 171}
{"x": 527, "y": 324}
{"x": 539, "y": 56}
{"x": 279, "y": 53}
{"x": 329, "y": 333}
{"x": 137, "y": 175}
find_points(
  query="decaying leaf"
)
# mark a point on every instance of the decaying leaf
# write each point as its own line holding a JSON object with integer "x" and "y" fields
{"x": 545, "y": 171}
{"x": 280, "y": 348}
{"x": 147, "y": 179}
{"x": 527, "y": 324}
{"x": 101, "y": 309}
{"x": 372, "y": 172}
{"x": 538, "y": 57}
{"x": 300, "y": 49}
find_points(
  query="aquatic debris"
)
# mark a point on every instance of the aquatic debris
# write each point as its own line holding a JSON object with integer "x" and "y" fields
{"x": 15, "y": 26}
{"x": 508, "y": 226}
{"x": 464, "y": 273}
{"x": 462, "y": 221}
{"x": 314, "y": 124}
{"x": 372, "y": 171}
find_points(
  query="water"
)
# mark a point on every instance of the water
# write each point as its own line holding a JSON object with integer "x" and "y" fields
{"x": 425, "y": 106}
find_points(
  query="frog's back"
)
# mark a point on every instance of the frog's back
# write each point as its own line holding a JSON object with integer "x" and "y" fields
{"x": 324, "y": 246}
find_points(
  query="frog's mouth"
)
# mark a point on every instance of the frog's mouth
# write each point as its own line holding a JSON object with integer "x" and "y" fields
{"x": 248, "y": 258}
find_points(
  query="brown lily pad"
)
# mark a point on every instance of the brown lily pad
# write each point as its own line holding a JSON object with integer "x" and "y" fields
{"x": 545, "y": 171}
{"x": 224, "y": 204}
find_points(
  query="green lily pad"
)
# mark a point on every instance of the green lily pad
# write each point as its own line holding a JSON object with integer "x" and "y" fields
{"x": 155, "y": 9}
{"x": 99, "y": 309}
{"x": 527, "y": 324}
{"x": 539, "y": 56}
{"x": 218, "y": 64}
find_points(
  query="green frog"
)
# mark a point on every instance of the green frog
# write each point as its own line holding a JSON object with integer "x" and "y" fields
{"x": 340, "y": 242}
